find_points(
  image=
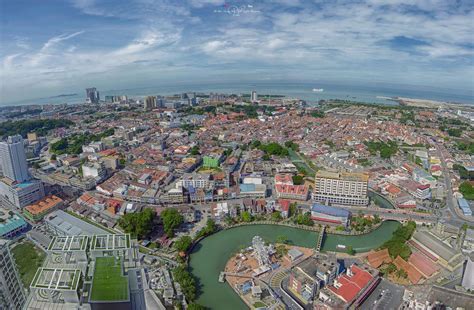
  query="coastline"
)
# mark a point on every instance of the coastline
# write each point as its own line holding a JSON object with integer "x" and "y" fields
{"x": 302, "y": 90}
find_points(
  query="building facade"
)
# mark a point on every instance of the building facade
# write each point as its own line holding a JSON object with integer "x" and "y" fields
{"x": 12, "y": 294}
{"x": 92, "y": 95}
{"x": 22, "y": 194}
{"x": 341, "y": 188}
{"x": 330, "y": 215}
{"x": 13, "y": 159}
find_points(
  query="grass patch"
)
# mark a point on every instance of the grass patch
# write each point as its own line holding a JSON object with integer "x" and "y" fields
{"x": 28, "y": 259}
{"x": 109, "y": 283}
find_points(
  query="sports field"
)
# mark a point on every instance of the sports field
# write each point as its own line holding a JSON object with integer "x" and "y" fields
{"x": 109, "y": 284}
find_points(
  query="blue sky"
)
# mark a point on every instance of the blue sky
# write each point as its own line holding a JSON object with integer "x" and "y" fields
{"x": 53, "y": 47}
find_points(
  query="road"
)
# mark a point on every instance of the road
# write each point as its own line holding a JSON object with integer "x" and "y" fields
{"x": 452, "y": 213}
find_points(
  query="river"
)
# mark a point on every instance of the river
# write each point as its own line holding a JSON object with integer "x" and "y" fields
{"x": 210, "y": 255}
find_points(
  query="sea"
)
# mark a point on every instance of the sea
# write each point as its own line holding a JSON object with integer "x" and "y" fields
{"x": 373, "y": 93}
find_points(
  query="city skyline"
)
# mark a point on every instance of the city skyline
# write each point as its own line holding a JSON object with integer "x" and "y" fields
{"x": 142, "y": 43}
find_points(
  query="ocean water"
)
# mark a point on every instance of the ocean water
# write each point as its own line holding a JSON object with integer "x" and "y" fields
{"x": 362, "y": 93}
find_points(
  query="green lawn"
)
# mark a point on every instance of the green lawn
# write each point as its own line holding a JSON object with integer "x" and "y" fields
{"x": 109, "y": 284}
{"x": 28, "y": 259}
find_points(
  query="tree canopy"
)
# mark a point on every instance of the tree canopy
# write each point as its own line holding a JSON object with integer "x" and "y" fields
{"x": 138, "y": 224}
{"x": 397, "y": 244}
{"x": 171, "y": 220}
{"x": 40, "y": 126}
{"x": 183, "y": 243}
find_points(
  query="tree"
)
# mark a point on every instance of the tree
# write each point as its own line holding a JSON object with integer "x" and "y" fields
{"x": 292, "y": 145}
{"x": 195, "y": 150}
{"x": 138, "y": 224}
{"x": 246, "y": 216}
{"x": 281, "y": 250}
{"x": 317, "y": 114}
{"x": 298, "y": 180}
{"x": 171, "y": 220}
{"x": 390, "y": 268}
{"x": 276, "y": 216}
{"x": 209, "y": 229}
{"x": 350, "y": 250}
{"x": 304, "y": 219}
{"x": 397, "y": 244}
{"x": 281, "y": 239}
{"x": 293, "y": 210}
{"x": 183, "y": 243}
{"x": 467, "y": 190}
{"x": 401, "y": 273}
{"x": 186, "y": 281}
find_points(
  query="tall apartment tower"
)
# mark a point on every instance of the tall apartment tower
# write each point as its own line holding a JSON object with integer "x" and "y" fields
{"x": 149, "y": 103}
{"x": 341, "y": 188}
{"x": 13, "y": 159}
{"x": 253, "y": 96}
{"x": 12, "y": 294}
{"x": 92, "y": 95}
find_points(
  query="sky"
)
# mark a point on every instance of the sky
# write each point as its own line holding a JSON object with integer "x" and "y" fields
{"x": 52, "y": 47}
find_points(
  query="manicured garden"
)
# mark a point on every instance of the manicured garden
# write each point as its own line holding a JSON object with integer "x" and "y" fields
{"x": 109, "y": 283}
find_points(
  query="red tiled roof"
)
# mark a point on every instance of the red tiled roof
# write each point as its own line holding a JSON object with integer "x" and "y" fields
{"x": 291, "y": 189}
{"x": 284, "y": 204}
{"x": 283, "y": 178}
{"x": 350, "y": 286}
{"x": 423, "y": 250}
{"x": 423, "y": 264}
{"x": 413, "y": 274}
{"x": 378, "y": 258}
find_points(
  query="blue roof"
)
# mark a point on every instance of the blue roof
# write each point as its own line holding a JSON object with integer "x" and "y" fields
{"x": 24, "y": 184}
{"x": 11, "y": 224}
{"x": 464, "y": 205}
{"x": 330, "y": 210}
{"x": 247, "y": 187}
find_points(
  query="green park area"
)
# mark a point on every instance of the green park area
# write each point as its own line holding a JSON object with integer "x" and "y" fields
{"x": 28, "y": 259}
{"x": 109, "y": 283}
{"x": 467, "y": 190}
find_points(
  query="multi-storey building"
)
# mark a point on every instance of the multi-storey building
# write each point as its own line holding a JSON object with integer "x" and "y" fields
{"x": 196, "y": 180}
{"x": 330, "y": 215}
{"x": 13, "y": 159}
{"x": 35, "y": 212}
{"x": 17, "y": 189}
{"x": 293, "y": 192}
{"x": 92, "y": 95}
{"x": 341, "y": 188}
{"x": 12, "y": 294}
{"x": 20, "y": 194}
{"x": 94, "y": 170}
{"x": 149, "y": 103}
{"x": 11, "y": 224}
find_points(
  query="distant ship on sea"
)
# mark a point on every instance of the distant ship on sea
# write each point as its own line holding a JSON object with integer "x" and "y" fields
{"x": 318, "y": 90}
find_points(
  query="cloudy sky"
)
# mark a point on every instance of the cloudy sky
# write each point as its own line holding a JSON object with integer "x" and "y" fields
{"x": 52, "y": 47}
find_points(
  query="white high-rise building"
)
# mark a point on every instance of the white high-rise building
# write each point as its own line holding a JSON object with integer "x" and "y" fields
{"x": 12, "y": 294}
{"x": 17, "y": 188}
{"x": 13, "y": 159}
{"x": 341, "y": 188}
{"x": 253, "y": 96}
